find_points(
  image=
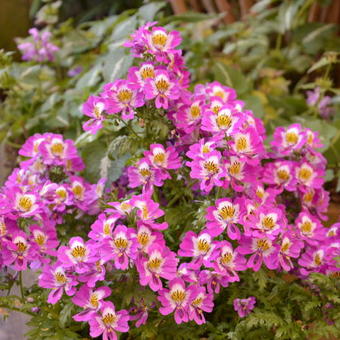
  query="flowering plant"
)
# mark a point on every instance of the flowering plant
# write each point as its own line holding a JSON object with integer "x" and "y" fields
{"x": 205, "y": 203}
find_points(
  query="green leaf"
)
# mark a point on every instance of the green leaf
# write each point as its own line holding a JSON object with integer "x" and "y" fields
{"x": 148, "y": 11}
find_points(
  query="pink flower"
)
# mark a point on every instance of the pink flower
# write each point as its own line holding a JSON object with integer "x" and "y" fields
{"x": 55, "y": 278}
{"x": 140, "y": 75}
{"x": 209, "y": 170}
{"x": 189, "y": 116}
{"x": 120, "y": 248}
{"x": 213, "y": 280}
{"x": 226, "y": 261}
{"x": 307, "y": 176}
{"x": 90, "y": 300}
{"x": 160, "y": 262}
{"x": 226, "y": 214}
{"x": 31, "y": 146}
{"x": 102, "y": 227}
{"x": 216, "y": 89}
{"x": 281, "y": 174}
{"x": 309, "y": 228}
{"x": 289, "y": 248}
{"x": 77, "y": 255}
{"x": 123, "y": 97}
{"x": 262, "y": 250}
{"x": 199, "y": 247}
{"x": 17, "y": 251}
{"x": 175, "y": 299}
{"x": 95, "y": 108}
{"x": 25, "y": 204}
{"x": 107, "y": 321}
{"x": 162, "y": 89}
{"x": 200, "y": 301}
{"x": 287, "y": 140}
{"x": 313, "y": 260}
{"x": 44, "y": 241}
{"x": 244, "y": 306}
{"x": 162, "y": 158}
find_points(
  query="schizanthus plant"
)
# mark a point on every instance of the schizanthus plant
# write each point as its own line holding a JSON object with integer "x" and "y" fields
{"x": 265, "y": 204}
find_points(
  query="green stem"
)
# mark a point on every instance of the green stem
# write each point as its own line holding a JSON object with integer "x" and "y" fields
{"x": 21, "y": 285}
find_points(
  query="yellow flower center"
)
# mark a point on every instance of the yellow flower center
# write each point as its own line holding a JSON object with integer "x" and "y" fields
{"x": 154, "y": 263}
{"x": 235, "y": 168}
{"x": 268, "y": 223}
{"x": 305, "y": 174}
{"x": 3, "y": 228}
{"x": 78, "y": 252}
{"x": 109, "y": 319}
{"x": 203, "y": 245}
{"x": 211, "y": 167}
{"x": 121, "y": 243}
{"x": 263, "y": 244}
{"x": 223, "y": 121}
{"x": 162, "y": 85}
{"x": 94, "y": 301}
{"x": 241, "y": 144}
{"x": 227, "y": 212}
{"x": 78, "y": 191}
{"x": 318, "y": 260}
{"x": 40, "y": 239}
{"x": 306, "y": 227}
{"x": 283, "y": 175}
{"x": 159, "y": 158}
{"x": 145, "y": 172}
{"x": 147, "y": 72}
{"x": 219, "y": 93}
{"x": 60, "y": 278}
{"x": 205, "y": 149}
{"x": 197, "y": 302}
{"x": 216, "y": 109}
{"x": 178, "y": 296}
{"x": 61, "y": 192}
{"x": 308, "y": 196}
{"x": 226, "y": 258}
{"x": 97, "y": 111}
{"x": 124, "y": 95}
{"x": 143, "y": 238}
{"x": 159, "y": 39}
{"x": 21, "y": 246}
{"x": 57, "y": 149}
{"x": 291, "y": 137}
{"x": 25, "y": 203}
{"x": 195, "y": 111}
{"x": 285, "y": 246}
{"x": 107, "y": 229}
{"x": 125, "y": 206}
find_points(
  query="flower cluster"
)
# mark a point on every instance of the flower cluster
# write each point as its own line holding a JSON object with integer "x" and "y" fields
{"x": 265, "y": 205}
{"x": 37, "y": 195}
{"x": 160, "y": 78}
{"x": 40, "y": 49}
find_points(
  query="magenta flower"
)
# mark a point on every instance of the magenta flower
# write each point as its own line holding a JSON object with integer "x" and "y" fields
{"x": 189, "y": 116}
{"x": 262, "y": 250}
{"x": 41, "y": 49}
{"x": 244, "y": 306}
{"x": 226, "y": 214}
{"x": 224, "y": 123}
{"x": 307, "y": 176}
{"x": 148, "y": 211}
{"x": 25, "y": 204}
{"x": 209, "y": 170}
{"x": 45, "y": 241}
{"x": 216, "y": 89}
{"x": 213, "y": 280}
{"x": 17, "y": 251}
{"x": 287, "y": 140}
{"x": 102, "y": 227}
{"x": 120, "y": 248}
{"x": 77, "y": 255}
{"x": 140, "y": 75}
{"x": 248, "y": 145}
{"x": 162, "y": 89}
{"x": 281, "y": 174}
{"x": 90, "y": 300}
{"x": 309, "y": 228}
{"x": 175, "y": 299}
{"x": 94, "y": 108}
{"x": 199, "y": 247}
{"x": 107, "y": 321}
{"x": 31, "y": 146}
{"x": 160, "y": 262}
{"x": 289, "y": 248}
{"x": 55, "y": 278}
{"x": 313, "y": 260}
{"x": 146, "y": 238}
{"x": 162, "y": 158}
{"x": 227, "y": 261}
{"x": 200, "y": 301}
{"x": 123, "y": 97}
